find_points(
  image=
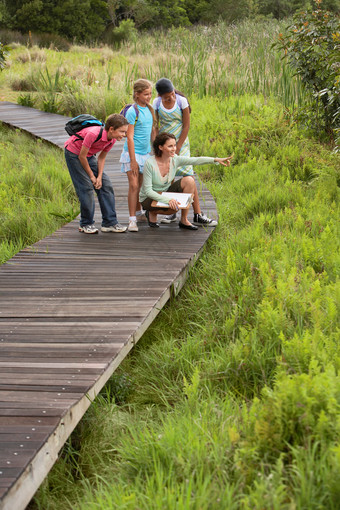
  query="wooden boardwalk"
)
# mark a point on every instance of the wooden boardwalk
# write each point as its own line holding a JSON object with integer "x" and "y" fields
{"x": 71, "y": 307}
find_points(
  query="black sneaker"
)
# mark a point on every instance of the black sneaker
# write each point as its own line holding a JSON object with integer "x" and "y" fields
{"x": 169, "y": 218}
{"x": 204, "y": 221}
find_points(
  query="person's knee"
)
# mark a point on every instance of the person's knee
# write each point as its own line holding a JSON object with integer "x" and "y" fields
{"x": 188, "y": 182}
{"x": 133, "y": 185}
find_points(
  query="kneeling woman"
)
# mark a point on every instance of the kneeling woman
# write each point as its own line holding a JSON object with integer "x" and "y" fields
{"x": 159, "y": 173}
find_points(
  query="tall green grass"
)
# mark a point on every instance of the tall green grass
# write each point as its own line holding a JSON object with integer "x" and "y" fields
{"x": 231, "y": 399}
{"x": 36, "y": 193}
{"x": 221, "y": 60}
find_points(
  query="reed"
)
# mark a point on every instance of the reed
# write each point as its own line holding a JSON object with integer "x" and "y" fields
{"x": 203, "y": 61}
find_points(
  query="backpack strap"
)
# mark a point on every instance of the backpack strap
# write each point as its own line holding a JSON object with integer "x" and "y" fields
{"x": 159, "y": 100}
{"x": 100, "y": 134}
{"x": 157, "y": 103}
{"x": 137, "y": 112}
{"x": 96, "y": 140}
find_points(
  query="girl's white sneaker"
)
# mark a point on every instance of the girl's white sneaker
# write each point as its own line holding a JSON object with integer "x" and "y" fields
{"x": 132, "y": 226}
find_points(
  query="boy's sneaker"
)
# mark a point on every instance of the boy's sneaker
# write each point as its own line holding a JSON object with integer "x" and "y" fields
{"x": 204, "y": 221}
{"x": 169, "y": 218}
{"x": 132, "y": 226}
{"x": 114, "y": 228}
{"x": 88, "y": 229}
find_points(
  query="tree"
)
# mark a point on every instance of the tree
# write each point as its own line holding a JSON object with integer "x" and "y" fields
{"x": 195, "y": 9}
{"x": 36, "y": 16}
{"x": 168, "y": 14}
{"x": 82, "y": 21}
{"x": 228, "y": 10}
{"x": 141, "y": 12}
{"x": 284, "y": 8}
{"x": 312, "y": 48}
{"x": 281, "y": 8}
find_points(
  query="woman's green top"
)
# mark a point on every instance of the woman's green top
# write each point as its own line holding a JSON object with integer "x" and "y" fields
{"x": 154, "y": 183}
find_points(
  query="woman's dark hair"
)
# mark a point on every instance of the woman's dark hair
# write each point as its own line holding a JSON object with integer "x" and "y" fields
{"x": 160, "y": 141}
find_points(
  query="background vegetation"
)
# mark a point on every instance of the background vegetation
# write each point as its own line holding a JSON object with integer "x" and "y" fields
{"x": 93, "y": 20}
{"x": 231, "y": 399}
{"x": 220, "y": 60}
{"x": 36, "y": 193}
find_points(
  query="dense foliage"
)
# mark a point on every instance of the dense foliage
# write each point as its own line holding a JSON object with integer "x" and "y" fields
{"x": 312, "y": 48}
{"x": 93, "y": 19}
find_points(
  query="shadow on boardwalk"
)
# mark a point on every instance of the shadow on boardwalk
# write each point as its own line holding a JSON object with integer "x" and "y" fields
{"x": 71, "y": 307}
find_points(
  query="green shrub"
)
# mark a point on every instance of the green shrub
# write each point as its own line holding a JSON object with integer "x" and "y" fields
{"x": 27, "y": 100}
{"x": 297, "y": 410}
{"x": 125, "y": 32}
{"x": 311, "y": 46}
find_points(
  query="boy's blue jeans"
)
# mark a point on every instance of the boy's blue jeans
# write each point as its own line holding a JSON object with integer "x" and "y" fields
{"x": 85, "y": 191}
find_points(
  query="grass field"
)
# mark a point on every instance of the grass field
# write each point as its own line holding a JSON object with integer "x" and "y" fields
{"x": 231, "y": 399}
{"x": 36, "y": 192}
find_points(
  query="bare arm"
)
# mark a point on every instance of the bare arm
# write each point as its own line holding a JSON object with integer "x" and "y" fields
{"x": 155, "y": 128}
{"x": 154, "y": 133}
{"x": 185, "y": 129}
{"x": 131, "y": 149}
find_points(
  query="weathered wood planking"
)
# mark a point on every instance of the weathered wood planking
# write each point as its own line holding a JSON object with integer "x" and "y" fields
{"x": 71, "y": 308}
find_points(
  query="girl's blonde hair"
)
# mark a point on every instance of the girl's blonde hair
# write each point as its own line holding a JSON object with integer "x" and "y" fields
{"x": 139, "y": 86}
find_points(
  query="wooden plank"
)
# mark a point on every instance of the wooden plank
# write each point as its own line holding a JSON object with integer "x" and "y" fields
{"x": 71, "y": 307}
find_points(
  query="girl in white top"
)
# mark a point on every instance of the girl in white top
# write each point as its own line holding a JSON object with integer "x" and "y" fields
{"x": 173, "y": 115}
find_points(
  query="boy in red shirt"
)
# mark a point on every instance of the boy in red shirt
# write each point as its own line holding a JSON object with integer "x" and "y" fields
{"x": 87, "y": 172}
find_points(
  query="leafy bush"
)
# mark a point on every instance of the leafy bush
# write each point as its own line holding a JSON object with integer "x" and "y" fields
{"x": 312, "y": 46}
{"x": 3, "y": 55}
{"x": 27, "y": 100}
{"x": 125, "y": 32}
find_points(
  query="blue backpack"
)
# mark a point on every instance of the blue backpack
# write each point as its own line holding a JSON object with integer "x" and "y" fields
{"x": 125, "y": 109}
{"x": 73, "y": 126}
